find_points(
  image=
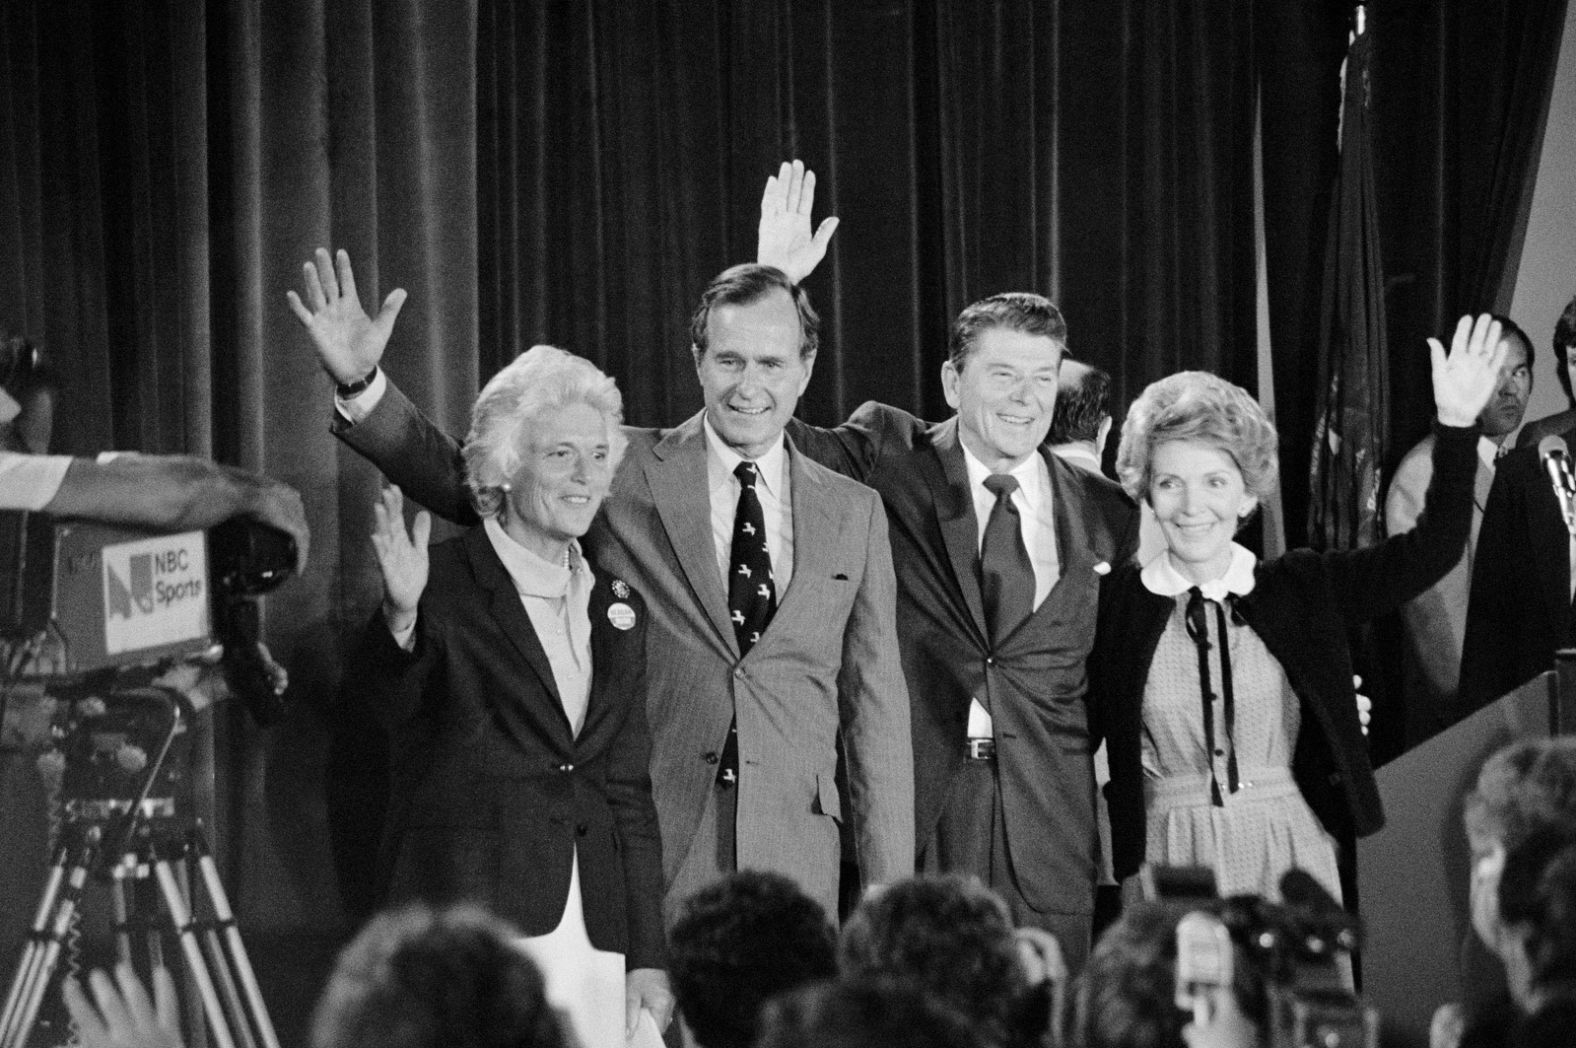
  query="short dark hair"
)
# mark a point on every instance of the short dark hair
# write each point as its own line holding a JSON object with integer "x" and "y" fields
{"x": 1508, "y": 328}
{"x": 1564, "y": 342}
{"x": 743, "y": 284}
{"x": 865, "y": 1012}
{"x": 950, "y": 935}
{"x": 739, "y": 942}
{"x": 1014, "y": 310}
{"x": 425, "y": 978}
{"x": 1537, "y": 892}
{"x": 1083, "y": 403}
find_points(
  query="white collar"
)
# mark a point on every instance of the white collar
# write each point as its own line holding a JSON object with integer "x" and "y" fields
{"x": 768, "y": 467}
{"x": 531, "y": 574}
{"x": 1030, "y": 475}
{"x": 1161, "y": 577}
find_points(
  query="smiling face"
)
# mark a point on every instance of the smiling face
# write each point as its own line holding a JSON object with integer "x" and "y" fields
{"x": 1004, "y": 395}
{"x": 1198, "y": 495}
{"x": 565, "y": 470}
{"x": 751, "y": 373}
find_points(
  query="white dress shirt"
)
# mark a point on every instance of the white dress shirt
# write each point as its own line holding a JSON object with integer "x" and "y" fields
{"x": 1036, "y": 521}
{"x": 771, "y": 488}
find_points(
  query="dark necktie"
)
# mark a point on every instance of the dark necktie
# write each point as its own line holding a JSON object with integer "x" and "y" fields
{"x": 1006, "y": 573}
{"x": 752, "y": 597}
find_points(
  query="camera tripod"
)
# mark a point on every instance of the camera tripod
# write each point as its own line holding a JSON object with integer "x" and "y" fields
{"x": 160, "y": 881}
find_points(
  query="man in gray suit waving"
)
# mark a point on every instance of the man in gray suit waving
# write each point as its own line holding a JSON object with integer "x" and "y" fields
{"x": 769, "y": 580}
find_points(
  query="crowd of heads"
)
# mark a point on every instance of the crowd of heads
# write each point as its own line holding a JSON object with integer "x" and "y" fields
{"x": 931, "y": 961}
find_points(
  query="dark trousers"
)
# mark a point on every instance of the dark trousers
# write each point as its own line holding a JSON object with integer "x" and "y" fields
{"x": 971, "y": 838}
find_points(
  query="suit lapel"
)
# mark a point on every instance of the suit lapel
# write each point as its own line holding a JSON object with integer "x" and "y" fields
{"x": 948, "y": 477}
{"x": 680, "y": 489}
{"x": 815, "y": 534}
{"x": 509, "y": 613}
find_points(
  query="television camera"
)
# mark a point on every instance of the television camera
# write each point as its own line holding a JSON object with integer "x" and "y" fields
{"x": 106, "y": 633}
{"x": 1290, "y": 960}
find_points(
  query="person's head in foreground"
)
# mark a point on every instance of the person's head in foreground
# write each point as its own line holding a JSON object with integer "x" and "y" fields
{"x": 951, "y": 936}
{"x": 865, "y": 1012}
{"x": 738, "y": 943}
{"x": 424, "y": 978}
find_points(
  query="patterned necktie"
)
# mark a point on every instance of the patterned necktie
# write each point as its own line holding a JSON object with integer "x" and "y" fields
{"x": 1006, "y": 573}
{"x": 752, "y": 596}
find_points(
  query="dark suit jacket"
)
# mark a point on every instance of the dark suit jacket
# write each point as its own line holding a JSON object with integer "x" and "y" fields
{"x": 1519, "y": 611}
{"x": 491, "y": 795}
{"x": 827, "y": 664}
{"x": 1301, "y": 606}
{"x": 1035, "y": 680}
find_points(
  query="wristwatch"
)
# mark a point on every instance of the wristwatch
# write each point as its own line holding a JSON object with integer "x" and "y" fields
{"x": 351, "y": 390}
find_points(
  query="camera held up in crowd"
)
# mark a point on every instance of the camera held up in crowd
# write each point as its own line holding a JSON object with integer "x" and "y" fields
{"x": 1295, "y": 955}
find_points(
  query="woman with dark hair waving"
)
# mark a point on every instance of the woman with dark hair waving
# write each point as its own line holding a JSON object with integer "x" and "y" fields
{"x": 1223, "y": 686}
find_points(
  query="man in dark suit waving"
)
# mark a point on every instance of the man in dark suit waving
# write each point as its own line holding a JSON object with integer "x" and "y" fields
{"x": 999, "y": 548}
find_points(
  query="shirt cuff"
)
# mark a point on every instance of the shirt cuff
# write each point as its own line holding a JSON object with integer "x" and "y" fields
{"x": 356, "y": 409}
{"x": 405, "y": 638}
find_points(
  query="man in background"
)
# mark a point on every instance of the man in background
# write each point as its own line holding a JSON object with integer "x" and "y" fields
{"x": 1082, "y": 419}
{"x": 1434, "y": 622}
{"x": 1560, "y": 421}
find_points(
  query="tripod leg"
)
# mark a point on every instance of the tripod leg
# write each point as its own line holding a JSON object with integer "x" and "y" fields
{"x": 32, "y": 952}
{"x": 239, "y": 961}
{"x": 31, "y": 997}
{"x": 229, "y": 993}
{"x": 121, "y": 907}
{"x": 180, "y": 916}
{"x": 191, "y": 999}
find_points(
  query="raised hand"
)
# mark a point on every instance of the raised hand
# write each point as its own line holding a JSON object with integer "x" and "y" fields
{"x": 784, "y": 238}
{"x": 349, "y": 343}
{"x": 124, "y": 1017}
{"x": 1466, "y": 379}
{"x": 402, "y": 557}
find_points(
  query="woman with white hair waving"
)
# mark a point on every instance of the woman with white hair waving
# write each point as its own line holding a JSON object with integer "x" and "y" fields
{"x": 1223, "y": 686}
{"x": 510, "y": 674}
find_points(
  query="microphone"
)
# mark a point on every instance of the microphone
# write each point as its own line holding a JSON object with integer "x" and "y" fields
{"x": 1555, "y": 454}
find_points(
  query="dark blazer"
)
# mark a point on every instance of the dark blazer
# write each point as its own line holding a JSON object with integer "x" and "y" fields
{"x": 491, "y": 795}
{"x": 825, "y": 670}
{"x": 1520, "y": 609}
{"x": 1035, "y": 680}
{"x": 1301, "y": 606}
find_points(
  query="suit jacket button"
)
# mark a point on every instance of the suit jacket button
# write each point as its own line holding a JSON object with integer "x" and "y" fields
{"x": 710, "y": 758}
{"x": 566, "y": 767}
{"x": 581, "y": 829}
{"x": 739, "y": 673}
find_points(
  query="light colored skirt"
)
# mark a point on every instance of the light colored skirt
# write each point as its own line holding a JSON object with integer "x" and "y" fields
{"x": 1264, "y": 829}
{"x": 584, "y": 983}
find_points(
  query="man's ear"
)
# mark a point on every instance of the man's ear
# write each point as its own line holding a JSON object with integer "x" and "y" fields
{"x": 949, "y": 383}
{"x": 809, "y": 369}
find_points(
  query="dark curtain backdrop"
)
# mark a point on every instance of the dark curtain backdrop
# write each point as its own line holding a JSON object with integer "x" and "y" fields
{"x": 574, "y": 172}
